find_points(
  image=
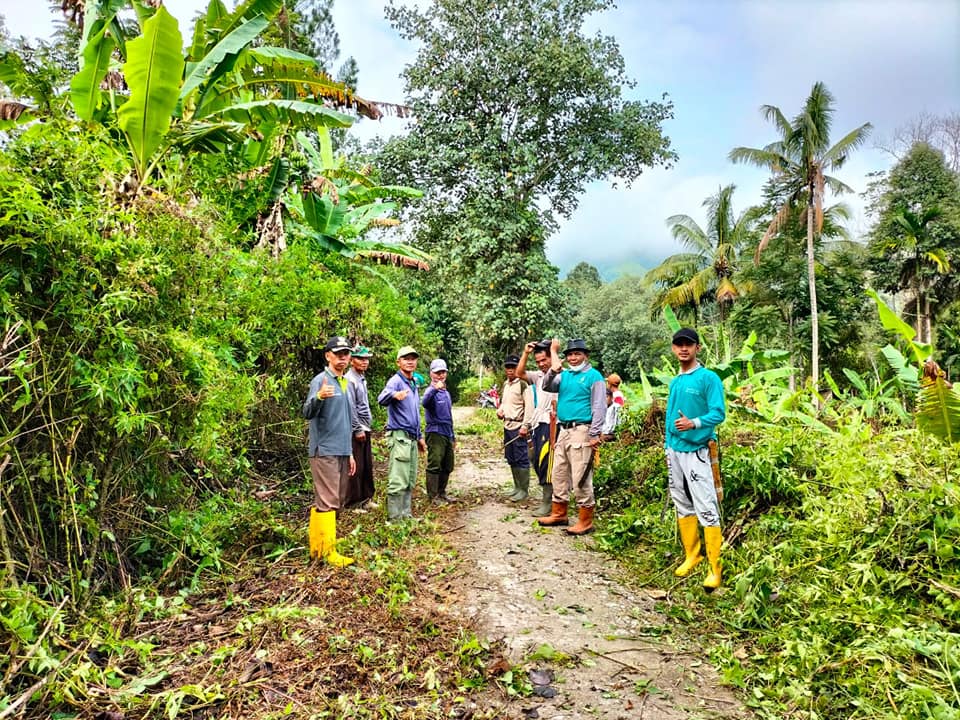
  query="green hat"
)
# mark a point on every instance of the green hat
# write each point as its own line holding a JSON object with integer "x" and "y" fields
{"x": 406, "y": 350}
{"x": 361, "y": 351}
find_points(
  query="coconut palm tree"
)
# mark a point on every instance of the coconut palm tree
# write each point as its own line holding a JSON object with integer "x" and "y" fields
{"x": 800, "y": 159}
{"x": 707, "y": 269}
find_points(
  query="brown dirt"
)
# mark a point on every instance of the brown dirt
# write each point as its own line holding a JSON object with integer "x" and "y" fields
{"x": 535, "y": 587}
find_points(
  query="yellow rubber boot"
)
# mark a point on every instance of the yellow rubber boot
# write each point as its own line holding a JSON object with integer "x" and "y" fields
{"x": 713, "y": 539}
{"x": 323, "y": 538}
{"x": 690, "y": 538}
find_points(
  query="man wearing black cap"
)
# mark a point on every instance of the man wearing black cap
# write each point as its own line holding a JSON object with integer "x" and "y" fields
{"x": 581, "y": 407}
{"x": 543, "y": 423}
{"x": 516, "y": 411}
{"x": 695, "y": 407}
{"x": 333, "y": 421}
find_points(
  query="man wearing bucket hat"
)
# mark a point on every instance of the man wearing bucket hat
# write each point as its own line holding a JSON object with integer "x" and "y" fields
{"x": 401, "y": 398}
{"x": 581, "y": 407}
{"x": 441, "y": 441}
{"x": 695, "y": 406}
{"x": 360, "y": 488}
{"x": 333, "y": 422}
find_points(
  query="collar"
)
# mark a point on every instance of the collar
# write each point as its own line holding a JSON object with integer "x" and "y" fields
{"x": 696, "y": 366}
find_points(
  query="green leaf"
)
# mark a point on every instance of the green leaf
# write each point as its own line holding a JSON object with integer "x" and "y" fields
{"x": 938, "y": 410}
{"x": 278, "y": 179}
{"x": 672, "y": 321}
{"x": 296, "y": 112}
{"x": 231, "y": 45}
{"x": 890, "y": 321}
{"x": 85, "y": 86}
{"x": 153, "y": 70}
{"x": 858, "y": 382}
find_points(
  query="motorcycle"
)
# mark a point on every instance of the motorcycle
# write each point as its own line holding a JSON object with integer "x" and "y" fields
{"x": 489, "y": 398}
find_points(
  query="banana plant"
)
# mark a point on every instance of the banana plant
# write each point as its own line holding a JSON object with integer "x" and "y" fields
{"x": 222, "y": 91}
{"x": 938, "y": 402}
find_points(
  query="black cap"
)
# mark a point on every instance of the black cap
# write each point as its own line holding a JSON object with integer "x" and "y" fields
{"x": 576, "y": 344}
{"x": 511, "y": 361}
{"x": 543, "y": 345}
{"x": 686, "y": 334}
{"x": 337, "y": 343}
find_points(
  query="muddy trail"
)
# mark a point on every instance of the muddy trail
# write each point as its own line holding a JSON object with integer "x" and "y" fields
{"x": 593, "y": 646}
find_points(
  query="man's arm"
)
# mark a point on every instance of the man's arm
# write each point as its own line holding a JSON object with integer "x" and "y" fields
{"x": 522, "y": 367}
{"x": 716, "y": 403}
{"x": 598, "y": 407}
{"x": 386, "y": 395}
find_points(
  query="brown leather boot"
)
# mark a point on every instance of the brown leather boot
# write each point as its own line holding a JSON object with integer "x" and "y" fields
{"x": 584, "y": 523}
{"x": 557, "y": 516}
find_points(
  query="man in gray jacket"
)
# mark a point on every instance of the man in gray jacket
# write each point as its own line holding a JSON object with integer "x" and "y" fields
{"x": 333, "y": 422}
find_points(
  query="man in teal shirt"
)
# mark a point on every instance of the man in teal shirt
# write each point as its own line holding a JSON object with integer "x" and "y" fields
{"x": 581, "y": 407}
{"x": 695, "y": 407}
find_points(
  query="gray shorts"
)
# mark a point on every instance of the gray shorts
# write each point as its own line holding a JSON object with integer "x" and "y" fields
{"x": 691, "y": 485}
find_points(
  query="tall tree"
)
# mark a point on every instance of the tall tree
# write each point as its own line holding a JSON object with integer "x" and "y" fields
{"x": 708, "y": 268}
{"x": 800, "y": 159}
{"x": 517, "y": 109}
{"x": 916, "y": 238}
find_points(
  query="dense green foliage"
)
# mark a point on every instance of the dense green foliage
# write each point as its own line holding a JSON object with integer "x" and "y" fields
{"x": 517, "y": 109}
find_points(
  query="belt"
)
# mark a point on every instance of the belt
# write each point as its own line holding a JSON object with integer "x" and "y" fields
{"x": 572, "y": 424}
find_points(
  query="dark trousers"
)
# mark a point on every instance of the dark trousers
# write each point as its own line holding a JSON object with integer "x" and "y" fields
{"x": 439, "y": 454}
{"x": 541, "y": 450}
{"x": 359, "y": 486}
{"x": 515, "y": 450}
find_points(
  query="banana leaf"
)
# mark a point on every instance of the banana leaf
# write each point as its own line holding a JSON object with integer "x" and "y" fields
{"x": 938, "y": 410}
{"x": 288, "y": 111}
{"x": 85, "y": 92}
{"x": 153, "y": 71}
{"x": 210, "y": 65}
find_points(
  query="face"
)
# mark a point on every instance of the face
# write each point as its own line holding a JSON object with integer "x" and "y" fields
{"x": 338, "y": 360}
{"x": 542, "y": 359}
{"x": 440, "y": 375}
{"x": 407, "y": 364}
{"x": 511, "y": 372}
{"x": 360, "y": 364}
{"x": 575, "y": 357}
{"x": 684, "y": 350}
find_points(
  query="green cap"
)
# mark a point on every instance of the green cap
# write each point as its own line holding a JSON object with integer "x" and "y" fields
{"x": 361, "y": 351}
{"x": 406, "y": 350}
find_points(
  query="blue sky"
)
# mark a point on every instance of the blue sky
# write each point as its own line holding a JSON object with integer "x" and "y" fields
{"x": 719, "y": 61}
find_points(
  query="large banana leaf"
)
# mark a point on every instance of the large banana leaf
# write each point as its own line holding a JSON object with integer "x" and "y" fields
{"x": 98, "y": 16}
{"x": 908, "y": 376}
{"x": 232, "y": 44}
{"x": 938, "y": 410}
{"x": 890, "y": 320}
{"x": 85, "y": 86}
{"x": 296, "y": 112}
{"x": 153, "y": 71}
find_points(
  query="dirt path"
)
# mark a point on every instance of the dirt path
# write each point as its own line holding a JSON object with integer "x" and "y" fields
{"x": 538, "y": 588}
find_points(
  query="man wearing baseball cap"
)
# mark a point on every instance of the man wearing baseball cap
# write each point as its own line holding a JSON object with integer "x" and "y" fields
{"x": 360, "y": 488}
{"x": 695, "y": 406}
{"x": 516, "y": 411}
{"x": 333, "y": 422}
{"x": 441, "y": 441}
{"x": 401, "y": 398}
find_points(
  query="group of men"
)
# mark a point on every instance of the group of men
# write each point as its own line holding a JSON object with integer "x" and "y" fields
{"x": 554, "y": 419}
{"x": 339, "y": 448}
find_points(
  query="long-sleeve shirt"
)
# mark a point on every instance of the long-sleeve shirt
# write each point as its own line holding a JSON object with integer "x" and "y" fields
{"x": 611, "y": 419}
{"x": 698, "y": 394}
{"x": 581, "y": 396}
{"x": 402, "y": 414}
{"x": 333, "y": 420}
{"x": 517, "y": 404}
{"x": 544, "y": 401}
{"x": 361, "y": 400}
{"x": 438, "y": 407}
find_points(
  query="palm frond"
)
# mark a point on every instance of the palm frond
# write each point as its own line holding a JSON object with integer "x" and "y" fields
{"x": 779, "y": 220}
{"x": 836, "y": 156}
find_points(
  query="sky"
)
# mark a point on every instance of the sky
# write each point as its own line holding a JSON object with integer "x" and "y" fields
{"x": 885, "y": 61}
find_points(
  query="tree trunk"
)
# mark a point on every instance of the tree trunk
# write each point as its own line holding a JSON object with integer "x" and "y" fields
{"x": 812, "y": 284}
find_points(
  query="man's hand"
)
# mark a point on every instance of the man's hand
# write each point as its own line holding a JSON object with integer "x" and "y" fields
{"x": 594, "y": 440}
{"x": 523, "y": 431}
{"x": 683, "y": 423}
{"x": 326, "y": 389}
{"x": 555, "y": 345}
{"x": 439, "y": 385}
{"x": 422, "y": 445}
{"x": 353, "y": 466}
{"x": 361, "y": 436}
{"x": 500, "y": 413}
{"x": 531, "y": 346}
{"x": 401, "y": 394}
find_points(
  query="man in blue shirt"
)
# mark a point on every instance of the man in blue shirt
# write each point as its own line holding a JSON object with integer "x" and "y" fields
{"x": 404, "y": 438}
{"x": 441, "y": 441}
{"x": 695, "y": 407}
{"x": 333, "y": 420}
